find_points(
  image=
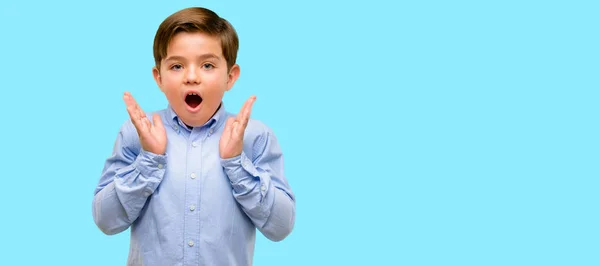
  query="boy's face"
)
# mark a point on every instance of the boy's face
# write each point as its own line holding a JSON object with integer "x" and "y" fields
{"x": 194, "y": 76}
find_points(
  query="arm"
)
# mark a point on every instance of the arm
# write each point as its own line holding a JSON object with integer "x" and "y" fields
{"x": 132, "y": 173}
{"x": 260, "y": 187}
{"x": 129, "y": 177}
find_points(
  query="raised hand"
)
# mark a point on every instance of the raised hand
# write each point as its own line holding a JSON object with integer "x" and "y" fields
{"x": 232, "y": 140}
{"x": 153, "y": 137}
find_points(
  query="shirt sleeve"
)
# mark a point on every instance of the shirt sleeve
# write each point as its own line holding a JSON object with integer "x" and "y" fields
{"x": 129, "y": 177}
{"x": 260, "y": 187}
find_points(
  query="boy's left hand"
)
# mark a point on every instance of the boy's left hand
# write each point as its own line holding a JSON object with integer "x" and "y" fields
{"x": 232, "y": 140}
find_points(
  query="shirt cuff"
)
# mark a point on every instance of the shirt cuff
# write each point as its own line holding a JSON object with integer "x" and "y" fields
{"x": 244, "y": 176}
{"x": 238, "y": 167}
{"x": 151, "y": 164}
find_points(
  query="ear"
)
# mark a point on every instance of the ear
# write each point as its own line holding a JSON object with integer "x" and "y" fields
{"x": 157, "y": 78}
{"x": 232, "y": 76}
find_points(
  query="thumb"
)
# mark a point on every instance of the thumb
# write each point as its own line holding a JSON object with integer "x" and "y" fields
{"x": 158, "y": 124}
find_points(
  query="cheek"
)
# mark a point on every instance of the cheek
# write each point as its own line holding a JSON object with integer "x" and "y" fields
{"x": 210, "y": 79}
{"x": 172, "y": 96}
{"x": 170, "y": 88}
{"x": 217, "y": 82}
{"x": 170, "y": 80}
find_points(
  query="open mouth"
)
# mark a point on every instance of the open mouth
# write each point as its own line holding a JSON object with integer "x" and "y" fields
{"x": 193, "y": 100}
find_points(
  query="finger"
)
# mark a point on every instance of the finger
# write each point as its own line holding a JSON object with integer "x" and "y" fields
{"x": 127, "y": 100}
{"x": 133, "y": 114}
{"x": 138, "y": 110}
{"x": 131, "y": 105}
{"x": 238, "y": 131}
{"x": 146, "y": 124}
{"x": 131, "y": 102}
{"x": 158, "y": 124}
{"x": 228, "y": 126}
{"x": 247, "y": 111}
{"x": 141, "y": 112}
{"x": 240, "y": 115}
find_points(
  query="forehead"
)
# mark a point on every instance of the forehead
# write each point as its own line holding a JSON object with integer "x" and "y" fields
{"x": 193, "y": 44}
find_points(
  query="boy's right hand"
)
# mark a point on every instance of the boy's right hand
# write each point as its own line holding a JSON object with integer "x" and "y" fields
{"x": 153, "y": 137}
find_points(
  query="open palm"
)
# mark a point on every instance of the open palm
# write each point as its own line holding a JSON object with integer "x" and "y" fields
{"x": 232, "y": 140}
{"x": 153, "y": 136}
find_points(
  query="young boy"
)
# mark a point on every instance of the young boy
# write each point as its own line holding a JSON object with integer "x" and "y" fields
{"x": 196, "y": 182}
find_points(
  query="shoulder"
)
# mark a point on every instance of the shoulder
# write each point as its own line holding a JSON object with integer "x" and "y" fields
{"x": 260, "y": 139}
{"x": 257, "y": 129}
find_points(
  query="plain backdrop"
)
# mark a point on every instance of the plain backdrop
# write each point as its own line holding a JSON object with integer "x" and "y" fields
{"x": 414, "y": 132}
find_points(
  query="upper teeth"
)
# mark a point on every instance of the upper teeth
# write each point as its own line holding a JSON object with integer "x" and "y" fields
{"x": 192, "y": 93}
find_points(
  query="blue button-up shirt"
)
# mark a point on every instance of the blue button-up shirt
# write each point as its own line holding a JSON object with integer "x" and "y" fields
{"x": 189, "y": 206}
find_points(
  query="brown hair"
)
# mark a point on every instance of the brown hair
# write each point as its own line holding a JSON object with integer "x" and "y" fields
{"x": 196, "y": 19}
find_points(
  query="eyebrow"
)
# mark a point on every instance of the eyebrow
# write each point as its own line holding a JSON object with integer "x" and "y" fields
{"x": 201, "y": 57}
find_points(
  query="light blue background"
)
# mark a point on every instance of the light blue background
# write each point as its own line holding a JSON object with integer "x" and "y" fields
{"x": 415, "y": 133}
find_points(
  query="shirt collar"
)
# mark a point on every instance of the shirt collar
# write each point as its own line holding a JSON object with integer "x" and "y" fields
{"x": 216, "y": 120}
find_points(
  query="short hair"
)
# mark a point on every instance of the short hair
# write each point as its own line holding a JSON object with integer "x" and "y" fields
{"x": 196, "y": 19}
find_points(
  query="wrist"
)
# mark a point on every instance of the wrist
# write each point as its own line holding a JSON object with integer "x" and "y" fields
{"x": 230, "y": 154}
{"x": 153, "y": 150}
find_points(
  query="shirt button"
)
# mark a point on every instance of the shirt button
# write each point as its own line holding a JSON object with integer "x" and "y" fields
{"x": 191, "y": 243}
{"x": 160, "y": 166}
{"x": 263, "y": 188}
{"x": 192, "y": 207}
{"x": 194, "y": 144}
{"x": 193, "y": 175}
{"x": 210, "y": 131}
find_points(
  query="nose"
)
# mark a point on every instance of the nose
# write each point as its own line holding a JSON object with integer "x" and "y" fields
{"x": 192, "y": 76}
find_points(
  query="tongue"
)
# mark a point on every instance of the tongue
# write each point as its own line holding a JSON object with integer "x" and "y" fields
{"x": 193, "y": 100}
